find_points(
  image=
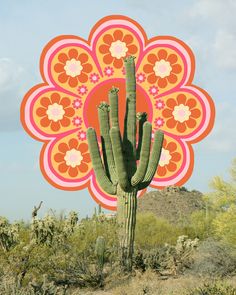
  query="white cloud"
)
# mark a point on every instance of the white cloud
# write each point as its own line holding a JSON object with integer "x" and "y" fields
{"x": 13, "y": 84}
{"x": 218, "y": 18}
{"x": 223, "y": 137}
{"x": 224, "y": 49}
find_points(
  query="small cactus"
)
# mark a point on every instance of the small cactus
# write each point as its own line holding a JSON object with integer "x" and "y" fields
{"x": 100, "y": 251}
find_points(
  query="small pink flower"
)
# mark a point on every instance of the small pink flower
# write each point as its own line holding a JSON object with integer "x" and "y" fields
{"x": 123, "y": 71}
{"x": 159, "y": 122}
{"x": 94, "y": 78}
{"x": 140, "y": 78}
{"x": 82, "y": 135}
{"x": 77, "y": 121}
{"x": 77, "y": 103}
{"x": 159, "y": 104}
{"x": 82, "y": 89}
{"x": 108, "y": 71}
{"x": 153, "y": 90}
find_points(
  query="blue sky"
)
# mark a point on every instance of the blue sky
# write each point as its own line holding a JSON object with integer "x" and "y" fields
{"x": 207, "y": 26}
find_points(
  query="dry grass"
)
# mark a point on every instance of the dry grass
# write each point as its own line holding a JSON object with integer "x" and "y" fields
{"x": 151, "y": 284}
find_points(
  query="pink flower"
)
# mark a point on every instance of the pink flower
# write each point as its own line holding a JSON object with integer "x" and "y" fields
{"x": 159, "y": 122}
{"x": 94, "y": 78}
{"x": 82, "y": 89}
{"x": 153, "y": 90}
{"x": 140, "y": 78}
{"x": 108, "y": 71}
{"x": 77, "y": 121}
{"x": 123, "y": 71}
{"x": 159, "y": 104}
{"x": 82, "y": 135}
{"x": 77, "y": 103}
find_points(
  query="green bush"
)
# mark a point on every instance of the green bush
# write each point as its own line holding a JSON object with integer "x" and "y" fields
{"x": 152, "y": 231}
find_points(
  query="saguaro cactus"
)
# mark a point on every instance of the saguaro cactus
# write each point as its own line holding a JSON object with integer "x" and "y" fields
{"x": 118, "y": 173}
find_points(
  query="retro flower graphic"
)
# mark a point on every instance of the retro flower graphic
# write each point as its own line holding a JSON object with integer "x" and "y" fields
{"x": 77, "y": 76}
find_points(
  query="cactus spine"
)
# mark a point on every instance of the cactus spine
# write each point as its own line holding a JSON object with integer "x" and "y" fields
{"x": 118, "y": 173}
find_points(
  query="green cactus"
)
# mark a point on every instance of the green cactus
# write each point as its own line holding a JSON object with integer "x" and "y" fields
{"x": 100, "y": 251}
{"x": 118, "y": 173}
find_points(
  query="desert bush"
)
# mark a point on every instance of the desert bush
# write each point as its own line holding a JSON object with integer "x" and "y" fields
{"x": 152, "y": 231}
{"x": 213, "y": 289}
{"x": 167, "y": 259}
{"x": 9, "y": 234}
{"x": 225, "y": 225}
{"x": 214, "y": 258}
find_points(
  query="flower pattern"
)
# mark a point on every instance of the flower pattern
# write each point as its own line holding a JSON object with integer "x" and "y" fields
{"x": 162, "y": 68}
{"x": 55, "y": 111}
{"x": 116, "y": 46}
{"x": 73, "y": 67}
{"x": 169, "y": 158}
{"x": 181, "y": 113}
{"x": 77, "y": 76}
{"x": 72, "y": 158}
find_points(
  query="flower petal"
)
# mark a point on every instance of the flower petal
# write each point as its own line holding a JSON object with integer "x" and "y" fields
{"x": 193, "y": 113}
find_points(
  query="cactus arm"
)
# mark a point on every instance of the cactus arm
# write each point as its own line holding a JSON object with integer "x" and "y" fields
{"x": 109, "y": 164}
{"x": 113, "y": 100}
{"x": 129, "y": 139}
{"x": 144, "y": 158}
{"x": 101, "y": 176}
{"x": 119, "y": 159}
{"x": 142, "y": 118}
{"x": 154, "y": 160}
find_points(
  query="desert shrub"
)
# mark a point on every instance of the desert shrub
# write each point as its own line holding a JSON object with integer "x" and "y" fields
{"x": 152, "y": 231}
{"x": 225, "y": 225}
{"x": 200, "y": 224}
{"x": 214, "y": 258}
{"x": 214, "y": 289}
{"x": 9, "y": 234}
{"x": 167, "y": 259}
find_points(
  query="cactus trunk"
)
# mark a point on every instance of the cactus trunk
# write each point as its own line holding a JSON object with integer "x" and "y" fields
{"x": 118, "y": 173}
{"x": 126, "y": 218}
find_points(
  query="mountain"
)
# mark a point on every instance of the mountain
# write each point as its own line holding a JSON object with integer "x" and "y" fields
{"x": 172, "y": 203}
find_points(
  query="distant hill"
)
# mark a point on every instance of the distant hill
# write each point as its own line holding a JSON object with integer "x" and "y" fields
{"x": 172, "y": 203}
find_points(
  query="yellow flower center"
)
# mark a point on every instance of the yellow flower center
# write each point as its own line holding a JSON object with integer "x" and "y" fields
{"x": 162, "y": 68}
{"x": 181, "y": 113}
{"x": 73, "y": 158}
{"x": 55, "y": 112}
{"x": 165, "y": 157}
{"x": 73, "y": 67}
{"x": 118, "y": 49}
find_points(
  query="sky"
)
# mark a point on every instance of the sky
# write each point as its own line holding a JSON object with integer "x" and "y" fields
{"x": 207, "y": 26}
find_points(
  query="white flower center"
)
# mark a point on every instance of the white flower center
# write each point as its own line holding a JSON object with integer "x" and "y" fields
{"x": 162, "y": 68}
{"x": 181, "y": 113}
{"x": 73, "y": 158}
{"x": 165, "y": 157}
{"x": 118, "y": 49}
{"x": 55, "y": 112}
{"x": 73, "y": 67}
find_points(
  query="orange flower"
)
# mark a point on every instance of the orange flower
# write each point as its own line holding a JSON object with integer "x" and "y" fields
{"x": 168, "y": 158}
{"x": 162, "y": 68}
{"x": 181, "y": 113}
{"x": 73, "y": 67}
{"x": 55, "y": 111}
{"x": 72, "y": 157}
{"x": 116, "y": 47}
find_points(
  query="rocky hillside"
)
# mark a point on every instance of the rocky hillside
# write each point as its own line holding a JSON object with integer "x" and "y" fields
{"x": 172, "y": 203}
